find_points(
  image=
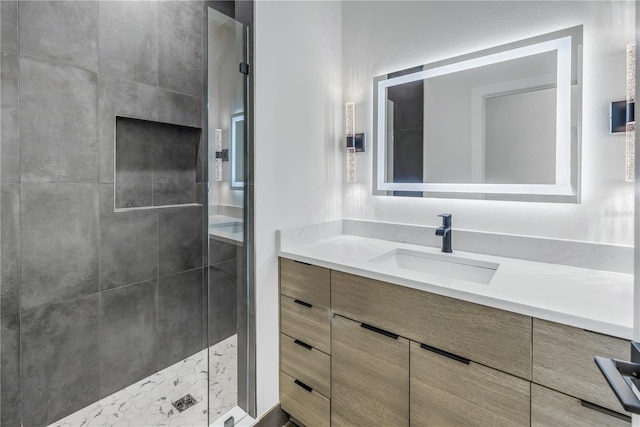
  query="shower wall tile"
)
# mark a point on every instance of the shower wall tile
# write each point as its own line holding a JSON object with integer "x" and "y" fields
{"x": 9, "y": 26}
{"x": 180, "y": 239}
{"x": 57, "y": 122}
{"x": 180, "y": 311}
{"x": 60, "y": 359}
{"x": 9, "y": 123}
{"x": 128, "y": 243}
{"x": 221, "y": 251}
{"x": 129, "y": 40}
{"x": 174, "y": 173}
{"x": 180, "y": 45}
{"x": 134, "y": 163}
{"x": 122, "y": 98}
{"x": 179, "y": 109}
{"x": 10, "y": 248}
{"x": 62, "y": 31}
{"x": 223, "y": 308}
{"x": 10, "y": 388}
{"x": 128, "y": 336}
{"x": 59, "y": 242}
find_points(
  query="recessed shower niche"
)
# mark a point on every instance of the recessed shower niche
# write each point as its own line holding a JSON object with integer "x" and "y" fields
{"x": 155, "y": 163}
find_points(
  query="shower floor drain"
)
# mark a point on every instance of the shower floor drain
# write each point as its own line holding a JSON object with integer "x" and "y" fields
{"x": 184, "y": 403}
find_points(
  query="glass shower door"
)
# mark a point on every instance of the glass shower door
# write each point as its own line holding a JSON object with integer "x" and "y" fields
{"x": 227, "y": 296}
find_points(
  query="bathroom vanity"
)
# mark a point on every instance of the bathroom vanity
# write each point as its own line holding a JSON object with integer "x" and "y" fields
{"x": 383, "y": 346}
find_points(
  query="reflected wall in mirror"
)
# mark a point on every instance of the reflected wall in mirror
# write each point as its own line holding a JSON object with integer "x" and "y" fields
{"x": 502, "y": 123}
{"x": 236, "y": 156}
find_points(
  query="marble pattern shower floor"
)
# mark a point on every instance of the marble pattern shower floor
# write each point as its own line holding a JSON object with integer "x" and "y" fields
{"x": 147, "y": 403}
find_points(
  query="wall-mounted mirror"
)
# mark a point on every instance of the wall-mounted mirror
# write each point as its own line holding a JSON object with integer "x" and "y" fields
{"x": 236, "y": 154}
{"x": 502, "y": 123}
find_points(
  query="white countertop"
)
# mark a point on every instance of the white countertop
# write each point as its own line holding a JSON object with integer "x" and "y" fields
{"x": 226, "y": 228}
{"x": 596, "y": 300}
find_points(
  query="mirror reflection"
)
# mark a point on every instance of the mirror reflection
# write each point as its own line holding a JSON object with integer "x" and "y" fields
{"x": 236, "y": 153}
{"x": 497, "y": 122}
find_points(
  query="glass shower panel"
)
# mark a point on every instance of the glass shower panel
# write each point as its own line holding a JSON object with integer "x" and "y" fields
{"x": 227, "y": 263}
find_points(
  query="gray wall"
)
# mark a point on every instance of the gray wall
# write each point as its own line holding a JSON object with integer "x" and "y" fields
{"x": 92, "y": 300}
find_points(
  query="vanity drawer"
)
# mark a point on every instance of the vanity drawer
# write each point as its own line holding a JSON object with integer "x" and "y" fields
{"x": 305, "y": 282}
{"x": 563, "y": 360}
{"x": 550, "y": 408}
{"x": 370, "y": 376}
{"x": 449, "y": 392}
{"x": 307, "y": 406}
{"x": 308, "y": 364}
{"x": 309, "y": 324}
{"x": 490, "y": 336}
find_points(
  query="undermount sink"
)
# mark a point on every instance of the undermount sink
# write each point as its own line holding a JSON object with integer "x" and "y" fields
{"x": 229, "y": 227}
{"x": 470, "y": 270}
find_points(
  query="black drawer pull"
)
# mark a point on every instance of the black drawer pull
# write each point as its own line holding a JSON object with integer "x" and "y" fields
{"x": 446, "y": 354}
{"x": 605, "y": 411}
{"x": 304, "y": 386}
{"x": 380, "y": 331}
{"x": 306, "y": 304}
{"x": 300, "y": 262}
{"x": 302, "y": 344}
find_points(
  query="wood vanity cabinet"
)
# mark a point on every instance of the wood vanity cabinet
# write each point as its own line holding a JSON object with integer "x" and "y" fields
{"x": 563, "y": 361}
{"x": 369, "y": 376}
{"x": 305, "y": 342}
{"x": 447, "y": 390}
{"x": 550, "y": 408}
{"x": 361, "y": 352}
{"x": 490, "y": 336}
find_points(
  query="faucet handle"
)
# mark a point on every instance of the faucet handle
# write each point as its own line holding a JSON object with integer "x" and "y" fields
{"x": 446, "y": 219}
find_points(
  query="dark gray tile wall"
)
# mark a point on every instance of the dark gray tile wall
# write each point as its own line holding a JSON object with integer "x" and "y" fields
{"x": 128, "y": 335}
{"x": 10, "y": 249}
{"x": 92, "y": 300}
{"x": 9, "y": 25}
{"x": 180, "y": 239}
{"x": 58, "y": 242}
{"x": 124, "y": 98}
{"x": 10, "y": 386}
{"x": 58, "y": 134}
{"x": 155, "y": 163}
{"x": 62, "y": 31}
{"x": 9, "y": 124}
{"x": 180, "y": 312}
{"x": 179, "y": 108}
{"x": 223, "y": 289}
{"x": 60, "y": 359}
{"x": 134, "y": 164}
{"x": 179, "y": 51}
{"x": 128, "y": 46}
{"x": 128, "y": 244}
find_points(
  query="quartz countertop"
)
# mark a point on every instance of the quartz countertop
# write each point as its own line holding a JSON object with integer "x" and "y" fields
{"x": 227, "y": 229}
{"x": 596, "y": 300}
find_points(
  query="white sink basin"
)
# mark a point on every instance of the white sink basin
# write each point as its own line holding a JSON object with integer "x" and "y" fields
{"x": 229, "y": 227}
{"x": 444, "y": 265}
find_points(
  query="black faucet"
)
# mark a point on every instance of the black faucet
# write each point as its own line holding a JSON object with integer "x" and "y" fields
{"x": 445, "y": 232}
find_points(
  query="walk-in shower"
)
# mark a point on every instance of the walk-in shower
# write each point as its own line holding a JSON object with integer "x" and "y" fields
{"x": 125, "y": 232}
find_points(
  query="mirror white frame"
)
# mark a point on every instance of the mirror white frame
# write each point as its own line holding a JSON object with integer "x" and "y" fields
{"x": 235, "y": 119}
{"x": 567, "y": 43}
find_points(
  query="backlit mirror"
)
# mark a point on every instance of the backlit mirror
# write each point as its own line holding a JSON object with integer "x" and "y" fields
{"x": 502, "y": 123}
{"x": 236, "y": 155}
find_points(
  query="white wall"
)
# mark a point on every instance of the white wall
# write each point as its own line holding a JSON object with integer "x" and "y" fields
{"x": 298, "y": 125}
{"x": 385, "y": 36}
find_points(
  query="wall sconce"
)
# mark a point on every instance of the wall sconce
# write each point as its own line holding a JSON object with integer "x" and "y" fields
{"x": 355, "y": 141}
{"x": 221, "y": 155}
{"x": 630, "y": 152}
{"x": 622, "y": 116}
